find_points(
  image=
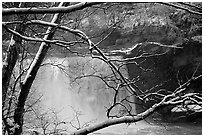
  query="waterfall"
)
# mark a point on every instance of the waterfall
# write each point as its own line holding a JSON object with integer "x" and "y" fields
{"x": 81, "y": 102}
{"x": 88, "y": 97}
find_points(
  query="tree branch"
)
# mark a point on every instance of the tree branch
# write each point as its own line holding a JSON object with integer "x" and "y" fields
{"x": 180, "y": 7}
{"x": 190, "y": 5}
{"x": 31, "y": 74}
{"x": 34, "y": 10}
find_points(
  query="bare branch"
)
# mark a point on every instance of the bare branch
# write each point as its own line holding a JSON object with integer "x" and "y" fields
{"x": 30, "y": 76}
{"x": 180, "y": 7}
{"x": 190, "y": 5}
{"x": 33, "y": 10}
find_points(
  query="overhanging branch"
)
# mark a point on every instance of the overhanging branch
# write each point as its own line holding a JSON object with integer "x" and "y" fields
{"x": 181, "y": 7}
{"x": 34, "y": 10}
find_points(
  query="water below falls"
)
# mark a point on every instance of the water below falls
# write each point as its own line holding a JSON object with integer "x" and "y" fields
{"x": 82, "y": 102}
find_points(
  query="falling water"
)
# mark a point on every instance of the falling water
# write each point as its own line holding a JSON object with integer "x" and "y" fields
{"x": 84, "y": 101}
{"x": 88, "y": 97}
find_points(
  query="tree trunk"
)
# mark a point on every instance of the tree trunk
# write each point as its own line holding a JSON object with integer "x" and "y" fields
{"x": 31, "y": 74}
{"x": 11, "y": 57}
{"x": 9, "y": 63}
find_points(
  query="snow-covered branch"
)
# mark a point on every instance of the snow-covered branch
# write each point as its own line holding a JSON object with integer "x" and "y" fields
{"x": 34, "y": 10}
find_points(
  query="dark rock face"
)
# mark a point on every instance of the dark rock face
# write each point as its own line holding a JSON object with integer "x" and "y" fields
{"x": 165, "y": 69}
{"x": 161, "y": 71}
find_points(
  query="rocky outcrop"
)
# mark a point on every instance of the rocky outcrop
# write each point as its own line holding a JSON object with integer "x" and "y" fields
{"x": 166, "y": 68}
